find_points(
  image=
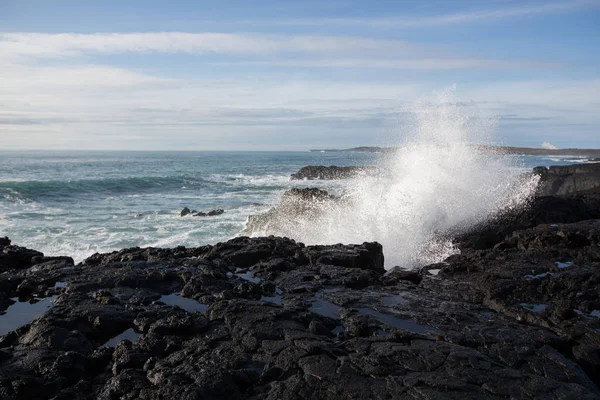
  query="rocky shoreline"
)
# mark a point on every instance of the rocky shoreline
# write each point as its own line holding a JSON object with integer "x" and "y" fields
{"x": 311, "y": 172}
{"x": 515, "y": 315}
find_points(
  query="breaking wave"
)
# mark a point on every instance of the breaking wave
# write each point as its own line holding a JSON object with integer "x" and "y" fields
{"x": 439, "y": 183}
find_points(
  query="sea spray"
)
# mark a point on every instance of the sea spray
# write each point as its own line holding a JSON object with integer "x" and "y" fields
{"x": 439, "y": 183}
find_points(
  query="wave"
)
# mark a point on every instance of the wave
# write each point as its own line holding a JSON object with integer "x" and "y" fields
{"x": 25, "y": 191}
{"x": 22, "y": 191}
{"x": 439, "y": 185}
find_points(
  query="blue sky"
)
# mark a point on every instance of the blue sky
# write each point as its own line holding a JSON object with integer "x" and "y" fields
{"x": 292, "y": 75}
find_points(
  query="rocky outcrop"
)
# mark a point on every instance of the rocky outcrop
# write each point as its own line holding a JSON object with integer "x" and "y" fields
{"x": 16, "y": 257}
{"x": 194, "y": 213}
{"x": 311, "y": 172}
{"x": 515, "y": 315}
{"x": 568, "y": 179}
{"x": 210, "y": 213}
{"x": 542, "y": 210}
{"x": 297, "y": 206}
{"x": 270, "y": 318}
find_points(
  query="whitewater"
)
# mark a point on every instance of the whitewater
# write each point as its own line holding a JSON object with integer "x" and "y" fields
{"x": 436, "y": 185}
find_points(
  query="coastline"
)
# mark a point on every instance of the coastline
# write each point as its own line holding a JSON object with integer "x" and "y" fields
{"x": 500, "y": 149}
{"x": 272, "y": 318}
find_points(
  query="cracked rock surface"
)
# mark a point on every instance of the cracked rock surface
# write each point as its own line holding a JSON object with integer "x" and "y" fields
{"x": 515, "y": 316}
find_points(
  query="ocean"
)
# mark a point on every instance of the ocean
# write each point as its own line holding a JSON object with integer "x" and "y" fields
{"x": 77, "y": 203}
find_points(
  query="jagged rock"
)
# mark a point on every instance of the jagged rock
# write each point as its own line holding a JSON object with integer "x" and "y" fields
{"x": 333, "y": 172}
{"x": 4, "y": 241}
{"x": 211, "y": 213}
{"x": 15, "y": 257}
{"x": 281, "y": 320}
{"x": 296, "y": 206}
{"x": 184, "y": 212}
{"x": 542, "y": 210}
{"x": 568, "y": 179}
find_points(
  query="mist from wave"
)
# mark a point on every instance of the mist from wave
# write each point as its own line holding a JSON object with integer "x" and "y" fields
{"x": 437, "y": 185}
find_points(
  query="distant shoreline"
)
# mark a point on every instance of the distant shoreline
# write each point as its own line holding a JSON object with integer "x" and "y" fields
{"x": 504, "y": 149}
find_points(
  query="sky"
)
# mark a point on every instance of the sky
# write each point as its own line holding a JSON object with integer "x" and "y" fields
{"x": 292, "y": 75}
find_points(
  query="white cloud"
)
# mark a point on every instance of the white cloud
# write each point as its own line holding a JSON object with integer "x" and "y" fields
{"x": 450, "y": 19}
{"x": 39, "y": 45}
{"x": 415, "y": 63}
{"x": 22, "y": 77}
{"x": 52, "y": 94}
{"x": 548, "y": 146}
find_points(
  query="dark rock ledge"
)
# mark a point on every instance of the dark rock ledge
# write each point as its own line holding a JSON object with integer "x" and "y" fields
{"x": 269, "y": 318}
{"x": 311, "y": 172}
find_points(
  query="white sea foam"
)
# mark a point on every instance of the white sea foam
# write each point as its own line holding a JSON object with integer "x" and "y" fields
{"x": 439, "y": 184}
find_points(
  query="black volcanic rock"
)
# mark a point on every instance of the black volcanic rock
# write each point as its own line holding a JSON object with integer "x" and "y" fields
{"x": 16, "y": 257}
{"x": 542, "y": 210}
{"x": 210, "y": 213}
{"x": 568, "y": 179}
{"x": 515, "y": 317}
{"x": 307, "y": 194}
{"x": 306, "y": 204}
{"x": 311, "y": 172}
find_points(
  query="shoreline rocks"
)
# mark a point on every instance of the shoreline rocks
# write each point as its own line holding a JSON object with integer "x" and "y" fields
{"x": 515, "y": 315}
{"x": 332, "y": 172}
{"x": 568, "y": 179}
{"x": 194, "y": 213}
{"x": 270, "y": 318}
{"x": 296, "y": 206}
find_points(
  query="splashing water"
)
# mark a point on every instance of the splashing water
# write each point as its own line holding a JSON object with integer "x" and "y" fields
{"x": 438, "y": 184}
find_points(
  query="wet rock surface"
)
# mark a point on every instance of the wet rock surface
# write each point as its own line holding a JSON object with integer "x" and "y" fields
{"x": 211, "y": 213}
{"x": 516, "y": 316}
{"x": 297, "y": 206}
{"x": 311, "y": 172}
{"x": 568, "y": 179}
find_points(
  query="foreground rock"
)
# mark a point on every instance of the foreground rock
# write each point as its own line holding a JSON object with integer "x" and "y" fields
{"x": 568, "y": 179}
{"x": 311, "y": 172}
{"x": 269, "y": 318}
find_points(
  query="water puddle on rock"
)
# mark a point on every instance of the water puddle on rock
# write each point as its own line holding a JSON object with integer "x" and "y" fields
{"x": 325, "y": 308}
{"x": 23, "y": 312}
{"x": 381, "y": 332}
{"x": 337, "y": 330}
{"x": 129, "y": 334}
{"x": 562, "y": 265}
{"x": 272, "y": 299}
{"x": 536, "y": 308}
{"x": 389, "y": 301}
{"x": 398, "y": 323}
{"x": 189, "y": 305}
{"x": 593, "y": 314}
{"x": 538, "y": 276}
{"x": 58, "y": 285}
{"x": 249, "y": 277}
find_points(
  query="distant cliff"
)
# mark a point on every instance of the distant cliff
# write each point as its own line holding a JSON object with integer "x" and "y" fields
{"x": 505, "y": 149}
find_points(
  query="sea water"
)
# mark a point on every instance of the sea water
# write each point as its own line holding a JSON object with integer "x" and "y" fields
{"x": 77, "y": 203}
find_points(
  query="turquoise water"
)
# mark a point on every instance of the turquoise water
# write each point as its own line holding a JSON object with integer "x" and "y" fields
{"x": 79, "y": 203}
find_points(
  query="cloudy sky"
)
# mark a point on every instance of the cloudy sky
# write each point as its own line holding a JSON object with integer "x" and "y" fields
{"x": 291, "y": 75}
